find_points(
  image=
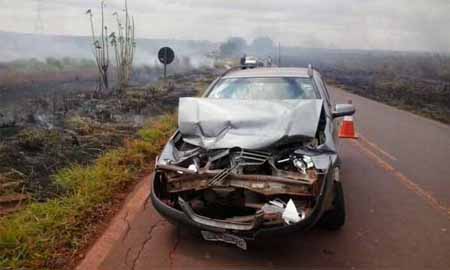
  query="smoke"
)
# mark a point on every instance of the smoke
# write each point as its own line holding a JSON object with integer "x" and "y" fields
{"x": 16, "y": 46}
{"x": 345, "y": 24}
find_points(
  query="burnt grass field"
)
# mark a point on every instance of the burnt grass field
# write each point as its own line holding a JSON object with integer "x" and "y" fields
{"x": 417, "y": 82}
{"x": 429, "y": 98}
{"x": 51, "y": 121}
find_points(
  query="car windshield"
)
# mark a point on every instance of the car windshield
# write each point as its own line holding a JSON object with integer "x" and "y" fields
{"x": 265, "y": 88}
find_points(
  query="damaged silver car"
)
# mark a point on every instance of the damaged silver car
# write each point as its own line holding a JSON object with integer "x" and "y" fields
{"x": 256, "y": 155}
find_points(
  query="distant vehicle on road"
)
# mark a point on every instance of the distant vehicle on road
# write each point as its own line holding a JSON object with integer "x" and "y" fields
{"x": 256, "y": 155}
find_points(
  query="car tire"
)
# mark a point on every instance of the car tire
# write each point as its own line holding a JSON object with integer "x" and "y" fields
{"x": 334, "y": 219}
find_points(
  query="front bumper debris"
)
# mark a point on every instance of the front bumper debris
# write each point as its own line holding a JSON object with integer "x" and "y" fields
{"x": 179, "y": 209}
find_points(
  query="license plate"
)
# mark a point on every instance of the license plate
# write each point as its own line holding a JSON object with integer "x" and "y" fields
{"x": 225, "y": 237}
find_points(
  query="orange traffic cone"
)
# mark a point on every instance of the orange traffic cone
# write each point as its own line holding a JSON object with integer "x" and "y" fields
{"x": 348, "y": 128}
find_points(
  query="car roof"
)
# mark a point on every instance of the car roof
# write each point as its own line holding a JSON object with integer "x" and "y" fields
{"x": 268, "y": 72}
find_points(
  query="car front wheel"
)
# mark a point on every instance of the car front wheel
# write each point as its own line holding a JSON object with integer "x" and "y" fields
{"x": 334, "y": 219}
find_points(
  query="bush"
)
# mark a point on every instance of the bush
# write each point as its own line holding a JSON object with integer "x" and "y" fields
{"x": 160, "y": 132}
{"x": 82, "y": 125}
{"x": 33, "y": 140}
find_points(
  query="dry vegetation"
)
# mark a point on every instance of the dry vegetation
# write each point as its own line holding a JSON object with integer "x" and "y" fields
{"x": 64, "y": 155}
{"x": 51, "y": 132}
{"x": 123, "y": 44}
{"x": 47, "y": 235}
{"x": 27, "y": 72}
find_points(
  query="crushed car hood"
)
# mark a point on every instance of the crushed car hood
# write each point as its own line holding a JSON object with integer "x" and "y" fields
{"x": 249, "y": 124}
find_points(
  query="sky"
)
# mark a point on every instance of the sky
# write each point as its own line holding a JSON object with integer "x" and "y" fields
{"x": 342, "y": 24}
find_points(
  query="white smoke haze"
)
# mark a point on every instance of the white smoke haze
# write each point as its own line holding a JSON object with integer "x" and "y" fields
{"x": 345, "y": 24}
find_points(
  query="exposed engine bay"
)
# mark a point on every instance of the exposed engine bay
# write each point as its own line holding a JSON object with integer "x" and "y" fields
{"x": 246, "y": 188}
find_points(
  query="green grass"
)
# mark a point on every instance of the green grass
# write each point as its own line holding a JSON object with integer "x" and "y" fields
{"x": 43, "y": 233}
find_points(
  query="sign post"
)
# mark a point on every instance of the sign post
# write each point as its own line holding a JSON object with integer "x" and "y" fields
{"x": 166, "y": 57}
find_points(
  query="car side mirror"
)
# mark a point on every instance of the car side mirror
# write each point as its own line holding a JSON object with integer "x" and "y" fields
{"x": 344, "y": 110}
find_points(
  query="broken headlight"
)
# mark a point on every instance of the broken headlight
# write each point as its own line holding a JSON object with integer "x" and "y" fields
{"x": 301, "y": 163}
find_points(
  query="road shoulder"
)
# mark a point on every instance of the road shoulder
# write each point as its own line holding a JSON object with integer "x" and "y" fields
{"x": 118, "y": 227}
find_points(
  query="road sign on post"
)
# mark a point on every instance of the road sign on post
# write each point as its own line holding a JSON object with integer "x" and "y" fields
{"x": 166, "y": 57}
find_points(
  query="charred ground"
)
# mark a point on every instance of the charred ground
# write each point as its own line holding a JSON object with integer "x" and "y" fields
{"x": 54, "y": 121}
{"x": 413, "y": 81}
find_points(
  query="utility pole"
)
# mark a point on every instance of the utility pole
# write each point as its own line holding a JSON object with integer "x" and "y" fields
{"x": 39, "y": 24}
{"x": 279, "y": 54}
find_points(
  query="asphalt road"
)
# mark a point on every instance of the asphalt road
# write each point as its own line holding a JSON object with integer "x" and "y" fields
{"x": 396, "y": 180}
